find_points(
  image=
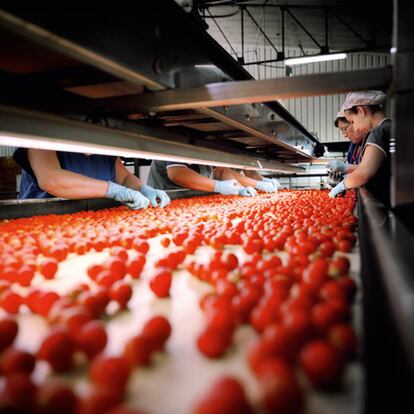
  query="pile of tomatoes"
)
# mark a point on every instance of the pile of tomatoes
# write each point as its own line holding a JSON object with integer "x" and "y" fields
{"x": 277, "y": 263}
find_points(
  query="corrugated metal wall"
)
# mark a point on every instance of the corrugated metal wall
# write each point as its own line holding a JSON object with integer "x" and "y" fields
{"x": 6, "y": 151}
{"x": 317, "y": 114}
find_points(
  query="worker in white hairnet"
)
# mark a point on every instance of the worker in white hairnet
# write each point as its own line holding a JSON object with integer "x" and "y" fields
{"x": 365, "y": 112}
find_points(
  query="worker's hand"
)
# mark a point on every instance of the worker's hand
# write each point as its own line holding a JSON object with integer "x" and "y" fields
{"x": 152, "y": 194}
{"x": 338, "y": 189}
{"x": 334, "y": 178}
{"x": 247, "y": 192}
{"x": 273, "y": 181}
{"x": 266, "y": 186}
{"x": 131, "y": 198}
{"x": 337, "y": 166}
{"x": 227, "y": 187}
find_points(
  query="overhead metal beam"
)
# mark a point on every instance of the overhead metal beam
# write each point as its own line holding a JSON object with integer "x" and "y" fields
{"x": 31, "y": 129}
{"x": 254, "y": 91}
{"x": 303, "y": 27}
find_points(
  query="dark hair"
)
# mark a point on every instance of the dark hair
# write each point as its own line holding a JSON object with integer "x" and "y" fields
{"x": 342, "y": 119}
{"x": 372, "y": 108}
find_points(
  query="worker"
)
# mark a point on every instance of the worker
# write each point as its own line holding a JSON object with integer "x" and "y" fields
{"x": 173, "y": 175}
{"x": 72, "y": 175}
{"x": 337, "y": 168}
{"x": 365, "y": 112}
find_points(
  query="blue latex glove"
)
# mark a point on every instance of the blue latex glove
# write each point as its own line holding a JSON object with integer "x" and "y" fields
{"x": 338, "y": 189}
{"x": 247, "y": 192}
{"x": 337, "y": 166}
{"x": 334, "y": 178}
{"x": 152, "y": 194}
{"x": 131, "y": 198}
{"x": 227, "y": 187}
{"x": 266, "y": 186}
{"x": 274, "y": 181}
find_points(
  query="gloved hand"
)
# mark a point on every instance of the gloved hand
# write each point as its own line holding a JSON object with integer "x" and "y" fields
{"x": 338, "y": 189}
{"x": 266, "y": 186}
{"x": 247, "y": 192}
{"x": 334, "y": 178}
{"x": 272, "y": 180}
{"x": 131, "y": 198}
{"x": 227, "y": 187}
{"x": 152, "y": 194}
{"x": 337, "y": 166}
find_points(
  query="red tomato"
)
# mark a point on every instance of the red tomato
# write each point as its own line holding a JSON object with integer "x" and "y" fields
{"x": 119, "y": 252}
{"x": 338, "y": 266}
{"x": 120, "y": 292}
{"x": 109, "y": 371}
{"x": 92, "y": 338}
{"x": 57, "y": 349}
{"x": 157, "y": 330}
{"x": 20, "y": 393}
{"x": 138, "y": 349}
{"x": 322, "y": 364}
{"x": 225, "y": 396}
{"x": 100, "y": 399}
{"x": 116, "y": 267}
{"x": 316, "y": 274}
{"x": 349, "y": 286}
{"x": 15, "y": 361}
{"x": 55, "y": 396}
{"x": 140, "y": 246}
{"x": 332, "y": 290}
{"x": 160, "y": 283}
{"x": 213, "y": 343}
{"x": 343, "y": 338}
{"x": 94, "y": 270}
{"x": 165, "y": 241}
{"x": 10, "y": 301}
{"x": 8, "y": 332}
{"x": 280, "y": 389}
{"x": 48, "y": 267}
{"x": 344, "y": 246}
{"x": 134, "y": 266}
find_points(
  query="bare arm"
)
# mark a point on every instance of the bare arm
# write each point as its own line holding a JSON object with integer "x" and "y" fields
{"x": 124, "y": 177}
{"x": 63, "y": 183}
{"x": 229, "y": 174}
{"x": 370, "y": 164}
{"x": 352, "y": 167}
{"x": 188, "y": 178}
{"x": 253, "y": 174}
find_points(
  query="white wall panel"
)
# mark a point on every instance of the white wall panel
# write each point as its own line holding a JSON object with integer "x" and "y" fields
{"x": 6, "y": 151}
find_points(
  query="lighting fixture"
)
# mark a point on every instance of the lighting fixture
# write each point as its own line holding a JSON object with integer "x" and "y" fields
{"x": 205, "y": 66}
{"x": 27, "y": 141}
{"x": 314, "y": 58}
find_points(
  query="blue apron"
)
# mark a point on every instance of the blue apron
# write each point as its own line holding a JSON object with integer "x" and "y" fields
{"x": 101, "y": 167}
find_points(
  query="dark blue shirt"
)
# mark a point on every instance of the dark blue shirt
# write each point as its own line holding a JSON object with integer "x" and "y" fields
{"x": 101, "y": 167}
{"x": 354, "y": 153}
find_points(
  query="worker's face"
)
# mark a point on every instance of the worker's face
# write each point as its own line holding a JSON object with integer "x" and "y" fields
{"x": 360, "y": 121}
{"x": 348, "y": 131}
{"x": 354, "y": 136}
{"x": 343, "y": 127}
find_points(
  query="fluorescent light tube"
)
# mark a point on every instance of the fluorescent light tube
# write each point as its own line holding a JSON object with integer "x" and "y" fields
{"x": 315, "y": 58}
{"x": 27, "y": 141}
{"x": 205, "y": 66}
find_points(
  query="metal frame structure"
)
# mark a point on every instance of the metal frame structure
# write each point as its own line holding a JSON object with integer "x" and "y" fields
{"x": 99, "y": 68}
{"x": 204, "y": 7}
{"x": 402, "y": 151}
{"x": 387, "y": 270}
